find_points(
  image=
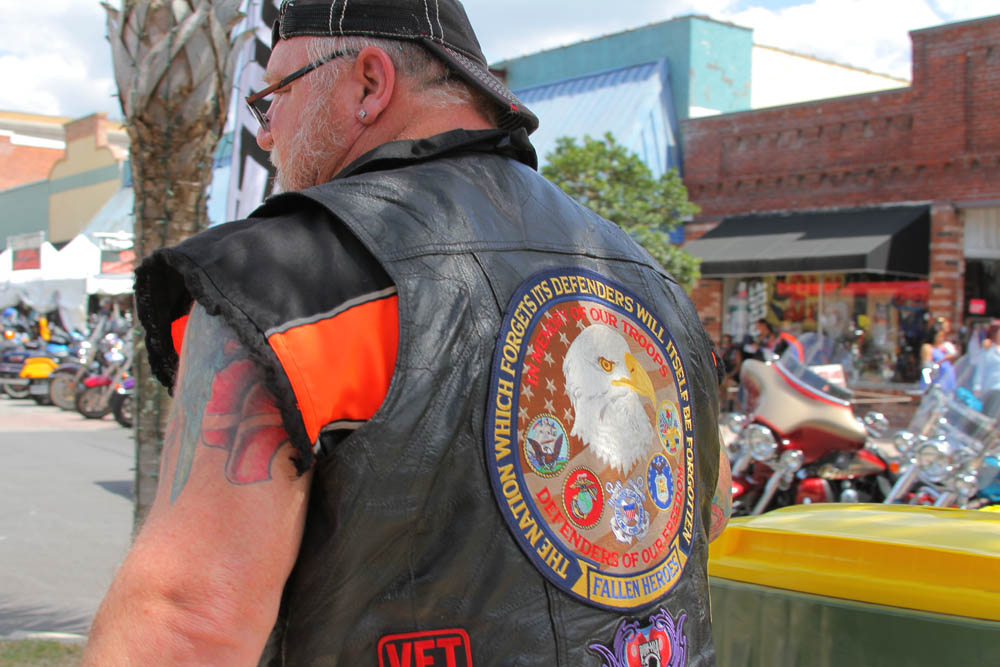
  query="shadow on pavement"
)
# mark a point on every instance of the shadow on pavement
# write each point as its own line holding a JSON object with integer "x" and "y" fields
{"x": 121, "y": 488}
{"x": 15, "y": 617}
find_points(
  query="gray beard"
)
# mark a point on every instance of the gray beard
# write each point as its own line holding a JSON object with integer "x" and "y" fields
{"x": 316, "y": 144}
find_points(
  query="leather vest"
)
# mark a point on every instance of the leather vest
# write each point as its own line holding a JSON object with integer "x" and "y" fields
{"x": 535, "y": 487}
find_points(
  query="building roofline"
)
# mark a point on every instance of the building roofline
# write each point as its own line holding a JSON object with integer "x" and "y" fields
{"x": 948, "y": 26}
{"x": 827, "y": 61}
{"x": 500, "y": 64}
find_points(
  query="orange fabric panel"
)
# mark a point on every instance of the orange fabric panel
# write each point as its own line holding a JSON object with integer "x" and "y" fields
{"x": 340, "y": 367}
{"x": 177, "y": 328}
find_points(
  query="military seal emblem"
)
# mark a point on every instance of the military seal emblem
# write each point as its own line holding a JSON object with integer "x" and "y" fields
{"x": 589, "y": 439}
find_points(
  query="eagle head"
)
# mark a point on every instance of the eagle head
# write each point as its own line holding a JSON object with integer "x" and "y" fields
{"x": 605, "y": 384}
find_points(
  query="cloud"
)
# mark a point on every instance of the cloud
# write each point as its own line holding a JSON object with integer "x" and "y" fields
{"x": 55, "y": 59}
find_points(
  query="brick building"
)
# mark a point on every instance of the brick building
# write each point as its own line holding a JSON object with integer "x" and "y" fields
{"x": 881, "y": 204}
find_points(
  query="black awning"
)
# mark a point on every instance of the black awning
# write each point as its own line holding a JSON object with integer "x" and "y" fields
{"x": 890, "y": 239}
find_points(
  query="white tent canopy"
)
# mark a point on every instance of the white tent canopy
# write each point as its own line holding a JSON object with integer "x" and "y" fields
{"x": 67, "y": 276}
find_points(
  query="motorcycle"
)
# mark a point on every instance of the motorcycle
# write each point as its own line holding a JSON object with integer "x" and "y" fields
{"x": 799, "y": 441}
{"x": 25, "y": 368}
{"x": 93, "y": 401}
{"x": 949, "y": 454}
{"x": 122, "y": 401}
{"x": 66, "y": 380}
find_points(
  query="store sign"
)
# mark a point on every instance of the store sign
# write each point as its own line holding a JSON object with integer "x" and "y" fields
{"x": 117, "y": 261}
{"x": 117, "y": 253}
{"x": 28, "y": 258}
{"x": 26, "y": 251}
{"x": 977, "y": 306}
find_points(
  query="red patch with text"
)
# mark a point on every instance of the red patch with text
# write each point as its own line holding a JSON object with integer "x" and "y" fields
{"x": 435, "y": 648}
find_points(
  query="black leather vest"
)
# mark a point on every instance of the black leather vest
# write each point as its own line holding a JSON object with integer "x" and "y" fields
{"x": 509, "y": 504}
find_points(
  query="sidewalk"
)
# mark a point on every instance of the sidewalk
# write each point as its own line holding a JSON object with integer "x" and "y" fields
{"x": 65, "y": 517}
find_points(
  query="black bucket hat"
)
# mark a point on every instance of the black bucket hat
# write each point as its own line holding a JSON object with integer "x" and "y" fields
{"x": 441, "y": 26}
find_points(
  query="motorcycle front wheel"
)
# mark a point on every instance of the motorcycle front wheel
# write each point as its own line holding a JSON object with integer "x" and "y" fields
{"x": 62, "y": 389}
{"x": 91, "y": 403}
{"x": 121, "y": 408}
{"x": 16, "y": 392}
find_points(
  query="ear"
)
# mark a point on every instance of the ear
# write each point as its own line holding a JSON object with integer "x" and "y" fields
{"x": 375, "y": 79}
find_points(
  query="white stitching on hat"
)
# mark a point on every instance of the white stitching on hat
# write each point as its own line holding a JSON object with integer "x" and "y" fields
{"x": 427, "y": 15}
{"x": 329, "y": 22}
{"x": 343, "y": 12}
{"x": 437, "y": 12}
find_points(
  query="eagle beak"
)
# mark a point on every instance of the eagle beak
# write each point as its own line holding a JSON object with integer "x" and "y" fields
{"x": 638, "y": 380}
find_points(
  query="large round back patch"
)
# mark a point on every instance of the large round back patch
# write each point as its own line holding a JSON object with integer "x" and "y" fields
{"x": 589, "y": 439}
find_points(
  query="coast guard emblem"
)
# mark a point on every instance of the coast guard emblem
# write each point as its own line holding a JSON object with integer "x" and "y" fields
{"x": 590, "y": 440}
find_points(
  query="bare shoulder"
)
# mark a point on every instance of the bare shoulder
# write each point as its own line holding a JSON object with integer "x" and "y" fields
{"x": 222, "y": 403}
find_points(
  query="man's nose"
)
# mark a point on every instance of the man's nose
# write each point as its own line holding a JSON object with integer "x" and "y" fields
{"x": 264, "y": 139}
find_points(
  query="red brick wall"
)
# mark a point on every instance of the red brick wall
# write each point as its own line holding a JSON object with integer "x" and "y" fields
{"x": 20, "y": 165}
{"x": 937, "y": 140}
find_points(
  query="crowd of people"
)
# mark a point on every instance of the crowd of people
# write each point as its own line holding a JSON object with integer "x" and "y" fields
{"x": 941, "y": 348}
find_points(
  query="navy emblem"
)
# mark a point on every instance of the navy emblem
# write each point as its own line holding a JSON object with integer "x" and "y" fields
{"x": 631, "y": 521}
{"x": 659, "y": 482}
{"x": 589, "y": 439}
{"x": 546, "y": 446}
{"x": 658, "y": 643}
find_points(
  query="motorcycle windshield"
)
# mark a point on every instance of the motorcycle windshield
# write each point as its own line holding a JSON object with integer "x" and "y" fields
{"x": 791, "y": 365}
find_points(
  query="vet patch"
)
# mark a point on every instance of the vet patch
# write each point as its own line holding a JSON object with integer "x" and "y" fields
{"x": 426, "y": 649}
{"x": 590, "y": 441}
{"x": 660, "y": 642}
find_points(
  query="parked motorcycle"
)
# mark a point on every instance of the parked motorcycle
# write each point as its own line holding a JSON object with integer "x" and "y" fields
{"x": 799, "y": 441}
{"x": 123, "y": 400}
{"x": 67, "y": 379}
{"x": 949, "y": 455}
{"x": 93, "y": 400}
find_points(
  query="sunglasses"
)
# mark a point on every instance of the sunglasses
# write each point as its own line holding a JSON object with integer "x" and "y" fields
{"x": 256, "y": 97}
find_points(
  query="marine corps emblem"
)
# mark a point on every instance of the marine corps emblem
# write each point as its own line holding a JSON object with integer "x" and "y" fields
{"x": 589, "y": 422}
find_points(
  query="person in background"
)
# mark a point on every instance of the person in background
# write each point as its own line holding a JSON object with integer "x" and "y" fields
{"x": 986, "y": 377}
{"x": 732, "y": 356}
{"x": 936, "y": 366}
{"x": 777, "y": 341}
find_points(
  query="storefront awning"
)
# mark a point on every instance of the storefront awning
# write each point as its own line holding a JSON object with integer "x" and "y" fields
{"x": 888, "y": 240}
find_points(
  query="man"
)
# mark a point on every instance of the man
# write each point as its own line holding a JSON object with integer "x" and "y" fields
{"x": 360, "y": 362}
{"x": 776, "y": 342}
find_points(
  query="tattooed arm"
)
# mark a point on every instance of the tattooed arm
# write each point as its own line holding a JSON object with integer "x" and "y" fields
{"x": 722, "y": 501}
{"x": 203, "y": 580}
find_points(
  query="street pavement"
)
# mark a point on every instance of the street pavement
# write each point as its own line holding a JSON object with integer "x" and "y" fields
{"x": 65, "y": 516}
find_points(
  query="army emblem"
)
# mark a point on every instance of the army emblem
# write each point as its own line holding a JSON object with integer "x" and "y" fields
{"x": 668, "y": 426}
{"x": 583, "y": 499}
{"x": 658, "y": 643}
{"x": 589, "y": 439}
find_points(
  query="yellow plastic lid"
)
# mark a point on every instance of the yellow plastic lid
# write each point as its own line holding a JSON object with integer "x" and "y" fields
{"x": 922, "y": 558}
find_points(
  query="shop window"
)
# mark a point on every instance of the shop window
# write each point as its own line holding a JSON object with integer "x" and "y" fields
{"x": 871, "y": 325}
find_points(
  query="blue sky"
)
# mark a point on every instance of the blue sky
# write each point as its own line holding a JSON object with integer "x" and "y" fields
{"x": 54, "y": 57}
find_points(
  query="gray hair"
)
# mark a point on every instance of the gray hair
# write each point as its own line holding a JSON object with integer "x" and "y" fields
{"x": 437, "y": 85}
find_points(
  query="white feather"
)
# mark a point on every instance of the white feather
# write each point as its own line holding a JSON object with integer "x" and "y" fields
{"x": 609, "y": 418}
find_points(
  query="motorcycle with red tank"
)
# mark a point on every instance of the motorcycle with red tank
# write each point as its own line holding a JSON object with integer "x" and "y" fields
{"x": 798, "y": 440}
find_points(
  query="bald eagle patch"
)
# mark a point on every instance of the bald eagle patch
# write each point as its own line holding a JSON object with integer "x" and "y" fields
{"x": 589, "y": 439}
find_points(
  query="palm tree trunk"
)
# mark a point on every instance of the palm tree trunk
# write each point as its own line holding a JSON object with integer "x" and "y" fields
{"x": 174, "y": 66}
